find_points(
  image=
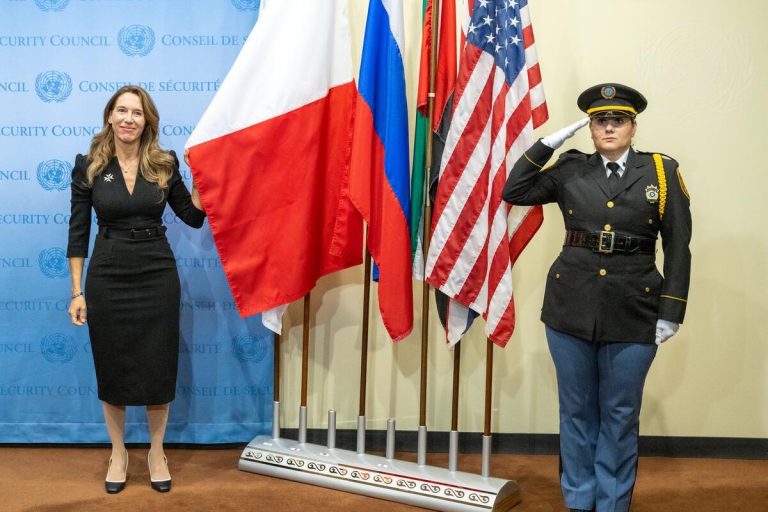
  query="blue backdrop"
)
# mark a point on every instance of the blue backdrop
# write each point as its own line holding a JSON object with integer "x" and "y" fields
{"x": 60, "y": 61}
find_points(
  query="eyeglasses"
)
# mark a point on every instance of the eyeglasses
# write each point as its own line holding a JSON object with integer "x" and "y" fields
{"x": 617, "y": 122}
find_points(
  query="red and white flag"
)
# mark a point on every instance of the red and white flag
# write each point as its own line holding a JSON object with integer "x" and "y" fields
{"x": 498, "y": 101}
{"x": 271, "y": 157}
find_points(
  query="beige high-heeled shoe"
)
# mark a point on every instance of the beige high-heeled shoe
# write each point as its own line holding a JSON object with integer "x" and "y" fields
{"x": 159, "y": 485}
{"x": 114, "y": 487}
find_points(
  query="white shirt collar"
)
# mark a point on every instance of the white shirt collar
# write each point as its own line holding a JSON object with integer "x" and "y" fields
{"x": 622, "y": 161}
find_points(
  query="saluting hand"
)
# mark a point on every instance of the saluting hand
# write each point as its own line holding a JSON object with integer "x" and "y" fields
{"x": 556, "y": 140}
{"x": 77, "y": 311}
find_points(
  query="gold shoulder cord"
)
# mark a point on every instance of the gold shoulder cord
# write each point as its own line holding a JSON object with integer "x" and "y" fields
{"x": 662, "y": 183}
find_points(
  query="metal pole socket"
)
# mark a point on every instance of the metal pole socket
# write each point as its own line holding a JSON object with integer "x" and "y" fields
{"x": 390, "y": 453}
{"x": 486, "y": 468}
{"x": 361, "y": 434}
{"x": 453, "y": 450}
{"x": 302, "y": 424}
{"x": 422, "y": 446}
{"x": 275, "y": 420}
{"x": 331, "y": 429}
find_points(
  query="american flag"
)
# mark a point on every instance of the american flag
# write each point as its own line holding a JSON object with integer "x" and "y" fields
{"x": 499, "y": 100}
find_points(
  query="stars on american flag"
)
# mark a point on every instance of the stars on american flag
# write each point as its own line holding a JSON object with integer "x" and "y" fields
{"x": 495, "y": 27}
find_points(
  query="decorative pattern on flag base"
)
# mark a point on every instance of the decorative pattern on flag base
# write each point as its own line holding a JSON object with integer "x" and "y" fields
{"x": 378, "y": 477}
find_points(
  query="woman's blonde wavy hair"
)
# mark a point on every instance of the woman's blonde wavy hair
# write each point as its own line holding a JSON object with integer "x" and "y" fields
{"x": 155, "y": 164}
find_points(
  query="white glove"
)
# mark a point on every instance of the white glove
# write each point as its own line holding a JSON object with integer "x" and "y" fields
{"x": 665, "y": 330}
{"x": 556, "y": 140}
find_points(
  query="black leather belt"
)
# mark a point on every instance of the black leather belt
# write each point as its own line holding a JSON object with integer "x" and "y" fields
{"x": 133, "y": 233}
{"x": 608, "y": 242}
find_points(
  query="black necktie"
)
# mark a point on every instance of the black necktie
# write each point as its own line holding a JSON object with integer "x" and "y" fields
{"x": 614, "y": 178}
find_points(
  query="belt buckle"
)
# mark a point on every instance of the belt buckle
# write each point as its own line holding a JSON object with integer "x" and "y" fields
{"x": 605, "y": 244}
{"x": 141, "y": 234}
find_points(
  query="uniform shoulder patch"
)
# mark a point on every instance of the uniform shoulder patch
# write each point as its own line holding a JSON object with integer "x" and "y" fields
{"x": 682, "y": 184}
{"x": 572, "y": 154}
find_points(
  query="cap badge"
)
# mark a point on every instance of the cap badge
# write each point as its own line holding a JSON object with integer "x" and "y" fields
{"x": 652, "y": 194}
{"x": 608, "y": 92}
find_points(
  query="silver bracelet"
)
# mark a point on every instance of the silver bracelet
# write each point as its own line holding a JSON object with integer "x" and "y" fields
{"x": 76, "y": 295}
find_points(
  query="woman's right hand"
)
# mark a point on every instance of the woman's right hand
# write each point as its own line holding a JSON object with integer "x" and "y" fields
{"x": 556, "y": 139}
{"x": 77, "y": 311}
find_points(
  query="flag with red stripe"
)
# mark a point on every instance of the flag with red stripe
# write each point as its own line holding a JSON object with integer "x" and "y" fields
{"x": 379, "y": 182}
{"x": 271, "y": 157}
{"x": 498, "y": 101}
{"x": 445, "y": 79}
{"x": 445, "y": 70}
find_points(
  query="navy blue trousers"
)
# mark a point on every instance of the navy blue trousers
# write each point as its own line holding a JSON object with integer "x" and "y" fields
{"x": 600, "y": 386}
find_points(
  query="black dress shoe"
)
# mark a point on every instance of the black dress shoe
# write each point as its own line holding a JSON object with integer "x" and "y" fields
{"x": 159, "y": 485}
{"x": 113, "y": 487}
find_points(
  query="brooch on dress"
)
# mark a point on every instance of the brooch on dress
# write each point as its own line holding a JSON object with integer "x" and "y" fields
{"x": 652, "y": 194}
{"x": 108, "y": 177}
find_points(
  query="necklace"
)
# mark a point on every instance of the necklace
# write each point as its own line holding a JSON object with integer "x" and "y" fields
{"x": 129, "y": 168}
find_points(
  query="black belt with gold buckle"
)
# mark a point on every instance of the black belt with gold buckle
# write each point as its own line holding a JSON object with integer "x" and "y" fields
{"x": 608, "y": 242}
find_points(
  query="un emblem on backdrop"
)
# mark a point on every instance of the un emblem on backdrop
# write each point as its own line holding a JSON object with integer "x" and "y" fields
{"x": 246, "y": 5}
{"x": 53, "y": 262}
{"x": 136, "y": 40}
{"x": 53, "y": 86}
{"x": 250, "y": 348}
{"x": 54, "y": 174}
{"x": 58, "y": 348}
{"x": 51, "y": 5}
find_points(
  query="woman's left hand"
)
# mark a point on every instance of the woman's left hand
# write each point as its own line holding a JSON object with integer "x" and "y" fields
{"x": 195, "y": 193}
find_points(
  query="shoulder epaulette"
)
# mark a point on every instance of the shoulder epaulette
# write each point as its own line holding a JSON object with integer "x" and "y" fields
{"x": 651, "y": 153}
{"x": 572, "y": 154}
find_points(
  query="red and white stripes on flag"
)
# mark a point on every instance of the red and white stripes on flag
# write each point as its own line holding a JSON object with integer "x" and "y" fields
{"x": 499, "y": 100}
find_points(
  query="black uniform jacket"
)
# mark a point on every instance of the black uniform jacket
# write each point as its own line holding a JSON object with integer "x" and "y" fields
{"x": 613, "y": 297}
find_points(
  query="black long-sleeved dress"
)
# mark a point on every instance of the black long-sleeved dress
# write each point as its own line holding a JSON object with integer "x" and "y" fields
{"x": 132, "y": 289}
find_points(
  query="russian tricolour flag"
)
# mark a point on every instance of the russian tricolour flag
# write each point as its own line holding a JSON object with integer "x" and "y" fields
{"x": 379, "y": 178}
{"x": 271, "y": 157}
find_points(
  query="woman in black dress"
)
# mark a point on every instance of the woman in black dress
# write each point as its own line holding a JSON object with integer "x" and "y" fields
{"x": 132, "y": 288}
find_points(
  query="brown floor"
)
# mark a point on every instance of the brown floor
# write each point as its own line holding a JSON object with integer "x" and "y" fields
{"x": 70, "y": 479}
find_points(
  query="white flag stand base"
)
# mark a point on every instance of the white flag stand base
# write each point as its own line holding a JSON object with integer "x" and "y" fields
{"x": 378, "y": 477}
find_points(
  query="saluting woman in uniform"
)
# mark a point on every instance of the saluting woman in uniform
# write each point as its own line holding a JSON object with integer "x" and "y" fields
{"x": 606, "y": 306}
{"x": 132, "y": 292}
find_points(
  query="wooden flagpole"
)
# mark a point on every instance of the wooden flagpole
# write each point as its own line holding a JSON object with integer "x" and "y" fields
{"x": 486, "y": 464}
{"x": 276, "y": 389}
{"x": 364, "y": 354}
{"x": 427, "y": 222}
{"x": 453, "y": 440}
{"x": 304, "y": 373}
